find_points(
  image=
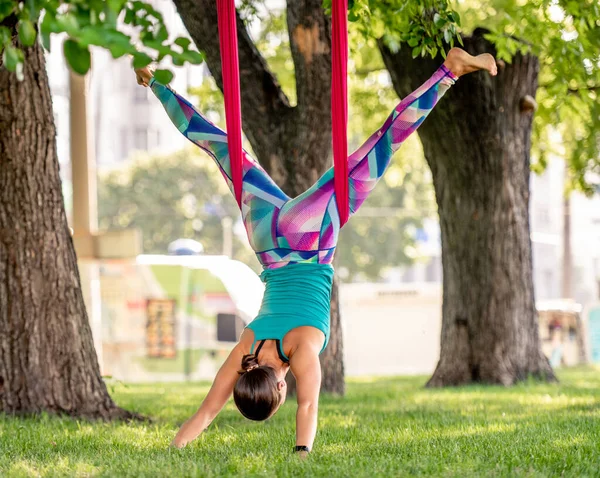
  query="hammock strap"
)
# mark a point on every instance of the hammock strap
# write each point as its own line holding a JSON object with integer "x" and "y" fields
{"x": 228, "y": 43}
{"x": 339, "y": 104}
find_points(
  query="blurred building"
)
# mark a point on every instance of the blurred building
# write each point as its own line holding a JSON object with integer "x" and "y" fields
{"x": 125, "y": 116}
{"x": 547, "y": 216}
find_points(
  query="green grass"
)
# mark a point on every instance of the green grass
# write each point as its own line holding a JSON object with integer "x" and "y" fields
{"x": 384, "y": 427}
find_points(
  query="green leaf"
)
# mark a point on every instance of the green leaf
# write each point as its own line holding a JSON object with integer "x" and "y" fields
{"x": 68, "y": 23}
{"x": 110, "y": 17}
{"x": 438, "y": 20}
{"x": 116, "y": 5}
{"x": 91, "y": 35}
{"x": 6, "y": 8}
{"x": 140, "y": 60}
{"x": 178, "y": 60}
{"x": 162, "y": 34}
{"x": 163, "y": 76}
{"x": 27, "y": 33}
{"x": 49, "y": 24}
{"x": 4, "y": 35}
{"x": 11, "y": 57}
{"x": 193, "y": 57}
{"x": 455, "y": 17}
{"x": 183, "y": 42}
{"x": 416, "y": 51}
{"x": 413, "y": 42}
{"x": 78, "y": 56}
{"x": 129, "y": 17}
{"x": 120, "y": 45}
{"x": 34, "y": 10}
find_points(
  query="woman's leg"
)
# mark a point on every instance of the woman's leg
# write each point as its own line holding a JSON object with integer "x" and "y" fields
{"x": 315, "y": 211}
{"x": 369, "y": 162}
{"x": 257, "y": 184}
{"x": 366, "y": 165}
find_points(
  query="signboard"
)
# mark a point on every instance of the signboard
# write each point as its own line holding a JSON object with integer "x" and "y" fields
{"x": 160, "y": 328}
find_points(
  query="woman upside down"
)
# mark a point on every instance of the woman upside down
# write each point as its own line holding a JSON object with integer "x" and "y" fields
{"x": 295, "y": 239}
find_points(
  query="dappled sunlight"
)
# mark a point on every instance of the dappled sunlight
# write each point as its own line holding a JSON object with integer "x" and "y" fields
{"x": 338, "y": 420}
{"x": 387, "y": 426}
{"x": 341, "y": 447}
{"x": 568, "y": 441}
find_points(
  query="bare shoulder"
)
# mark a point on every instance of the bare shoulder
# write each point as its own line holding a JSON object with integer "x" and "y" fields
{"x": 306, "y": 339}
{"x": 246, "y": 341}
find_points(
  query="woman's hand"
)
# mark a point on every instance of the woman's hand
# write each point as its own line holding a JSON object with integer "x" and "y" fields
{"x": 144, "y": 75}
{"x": 191, "y": 429}
{"x": 217, "y": 397}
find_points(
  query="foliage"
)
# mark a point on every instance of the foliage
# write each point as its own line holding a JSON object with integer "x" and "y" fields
{"x": 171, "y": 197}
{"x": 124, "y": 27}
{"x": 383, "y": 427}
{"x": 565, "y": 36}
{"x": 426, "y": 26}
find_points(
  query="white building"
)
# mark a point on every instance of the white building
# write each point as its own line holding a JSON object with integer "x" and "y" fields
{"x": 547, "y": 223}
{"x": 125, "y": 116}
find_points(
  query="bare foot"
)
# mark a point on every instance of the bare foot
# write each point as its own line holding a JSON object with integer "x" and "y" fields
{"x": 460, "y": 62}
{"x": 144, "y": 75}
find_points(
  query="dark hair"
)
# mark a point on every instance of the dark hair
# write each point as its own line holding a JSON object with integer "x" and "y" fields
{"x": 255, "y": 393}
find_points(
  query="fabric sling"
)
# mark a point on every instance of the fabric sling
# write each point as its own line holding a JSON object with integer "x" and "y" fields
{"x": 228, "y": 43}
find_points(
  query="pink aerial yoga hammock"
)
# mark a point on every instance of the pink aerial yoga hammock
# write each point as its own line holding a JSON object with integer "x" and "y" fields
{"x": 339, "y": 97}
{"x": 228, "y": 43}
{"x": 339, "y": 103}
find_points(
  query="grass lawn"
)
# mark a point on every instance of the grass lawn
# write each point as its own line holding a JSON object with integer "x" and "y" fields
{"x": 384, "y": 427}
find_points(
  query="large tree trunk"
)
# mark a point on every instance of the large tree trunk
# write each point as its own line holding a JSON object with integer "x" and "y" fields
{"x": 47, "y": 357}
{"x": 477, "y": 143}
{"x": 284, "y": 138}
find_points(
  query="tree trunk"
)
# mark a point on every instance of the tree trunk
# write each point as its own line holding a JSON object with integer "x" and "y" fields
{"x": 284, "y": 138}
{"x": 477, "y": 144}
{"x": 47, "y": 357}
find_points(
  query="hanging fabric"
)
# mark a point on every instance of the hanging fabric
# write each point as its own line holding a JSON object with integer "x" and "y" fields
{"x": 228, "y": 43}
{"x": 339, "y": 104}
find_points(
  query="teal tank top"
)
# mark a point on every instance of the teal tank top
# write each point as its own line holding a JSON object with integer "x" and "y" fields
{"x": 296, "y": 295}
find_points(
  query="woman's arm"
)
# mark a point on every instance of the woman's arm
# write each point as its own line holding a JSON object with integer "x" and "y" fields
{"x": 306, "y": 368}
{"x": 217, "y": 397}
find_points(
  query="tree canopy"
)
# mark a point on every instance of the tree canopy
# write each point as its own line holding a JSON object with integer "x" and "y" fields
{"x": 563, "y": 34}
{"x": 123, "y": 27}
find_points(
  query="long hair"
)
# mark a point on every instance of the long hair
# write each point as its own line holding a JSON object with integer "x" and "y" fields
{"x": 255, "y": 393}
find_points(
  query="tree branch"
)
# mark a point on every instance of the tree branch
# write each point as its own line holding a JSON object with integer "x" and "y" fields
{"x": 310, "y": 43}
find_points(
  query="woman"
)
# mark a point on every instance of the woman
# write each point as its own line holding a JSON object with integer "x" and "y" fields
{"x": 295, "y": 240}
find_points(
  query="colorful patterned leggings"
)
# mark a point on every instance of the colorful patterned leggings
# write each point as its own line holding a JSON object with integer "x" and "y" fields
{"x": 284, "y": 230}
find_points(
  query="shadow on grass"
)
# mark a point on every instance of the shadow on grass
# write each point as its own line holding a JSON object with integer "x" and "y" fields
{"x": 384, "y": 427}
